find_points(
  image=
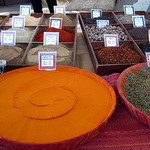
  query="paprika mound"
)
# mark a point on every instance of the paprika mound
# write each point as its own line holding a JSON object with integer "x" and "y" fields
{"x": 64, "y": 36}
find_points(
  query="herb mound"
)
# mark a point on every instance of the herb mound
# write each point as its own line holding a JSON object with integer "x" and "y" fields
{"x": 137, "y": 89}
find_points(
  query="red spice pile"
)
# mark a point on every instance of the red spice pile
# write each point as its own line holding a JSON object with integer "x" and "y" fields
{"x": 64, "y": 36}
{"x": 117, "y": 55}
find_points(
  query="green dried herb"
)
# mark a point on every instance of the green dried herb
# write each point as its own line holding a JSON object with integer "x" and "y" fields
{"x": 137, "y": 89}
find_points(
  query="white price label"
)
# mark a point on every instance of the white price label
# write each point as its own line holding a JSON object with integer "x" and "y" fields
{"x": 129, "y": 10}
{"x": 47, "y": 60}
{"x": 148, "y": 58}
{"x": 60, "y": 9}
{"x": 51, "y": 38}
{"x": 102, "y": 23}
{"x": 18, "y": 22}
{"x": 55, "y": 22}
{"x": 8, "y": 37}
{"x": 138, "y": 21}
{"x": 149, "y": 36}
{"x": 25, "y": 10}
{"x": 111, "y": 40}
{"x": 95, "y": 13}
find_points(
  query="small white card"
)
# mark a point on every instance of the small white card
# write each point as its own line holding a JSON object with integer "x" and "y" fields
{"x": 138, "y": 21}
{"x": 149, "y": 36}
{"x": 148, "y": 58}
{"x": 25, "y": 10}
{"x": 60, "y": 9}
{"x": 47, "y": 60}
{"x": 55, "y": 22}
{"x": 95, "y": 13}
{"x": 111, "y": 40}
{"x": 18, "y": 22}
{"x": 102, "y": 23}
{"x": 8, "y": 37}
{"x": 129, "y": 10}
{"x": 2, "y": 66}
{"x": 51, "y": 38}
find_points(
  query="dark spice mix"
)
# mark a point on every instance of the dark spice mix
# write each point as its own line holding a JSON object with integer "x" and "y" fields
{"x": 87, "y": 20}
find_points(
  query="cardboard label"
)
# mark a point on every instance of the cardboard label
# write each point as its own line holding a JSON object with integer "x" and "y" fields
{"x": 60, "y": 9}
{"x": 25, "y": 10}
{"x": 102, "y": 23}
{"x": 129, "y": 10}
{"x": 55, "y": 22}
{"x": 51, "y": 38}
{"x": 138, "y": 21}
{"x": 18, "y": 22}
{"x": 8, "y": 37}
{"x": 47, "y": 60}
{"x": 111, "y": 40}
{"x": 95, "y": 13}
{"x": 148, "y": 58}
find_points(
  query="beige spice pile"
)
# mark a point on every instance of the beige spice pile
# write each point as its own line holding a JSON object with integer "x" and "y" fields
{"x": 67, "y": 20}
{"x": 29, "y": 21}
{"x": 64, "y": 54}
{"x": 12, "y": 54}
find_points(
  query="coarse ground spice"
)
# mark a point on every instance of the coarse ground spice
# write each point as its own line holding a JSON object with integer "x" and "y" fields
{"x": 1, "y": 19}
{"x": 137, "y": 89}
{"x": 22, "y": 35}
{"x": 97, "y": 34}
{"x": 145, "y": 47}
{"x": 128, "y": 19}
{"x": 12, "y": 54}
{"x": 66, "y": 20}
{"x": 87, "y": 20}
{"x": 117, "y": 55}
{"x": 29, "y": 21}
{"x": 64, "y": 36}
{"x": 64, "y": 54}
{"x": 139, "y": 33}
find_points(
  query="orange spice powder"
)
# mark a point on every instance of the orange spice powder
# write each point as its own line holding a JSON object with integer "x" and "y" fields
{"x": 52, "y": 106}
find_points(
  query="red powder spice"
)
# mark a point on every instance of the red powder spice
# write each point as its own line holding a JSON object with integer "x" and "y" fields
{"x": 64, "y": 36}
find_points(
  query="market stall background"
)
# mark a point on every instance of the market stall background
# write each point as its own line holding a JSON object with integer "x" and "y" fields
{"x": 122, "y": 130}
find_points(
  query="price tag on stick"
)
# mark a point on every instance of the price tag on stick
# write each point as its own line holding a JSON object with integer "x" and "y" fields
{"x": 25, "y": 10}
{"x": 129, "y": 10}
{"x": 47, "y": 60}
{"x": 8, "y": 37}
{"x": 148, "y": 58}
{"x": 95, "y": 13}
{"x": 111, "y": 40}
